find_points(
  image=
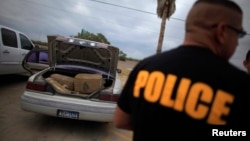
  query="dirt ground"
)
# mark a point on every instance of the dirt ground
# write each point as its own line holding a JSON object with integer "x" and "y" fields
{"x": 126, "y": 67}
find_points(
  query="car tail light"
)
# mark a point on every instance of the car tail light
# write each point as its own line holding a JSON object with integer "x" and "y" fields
{"x": 109, "y": 97}
{"x": 36, "y": 86}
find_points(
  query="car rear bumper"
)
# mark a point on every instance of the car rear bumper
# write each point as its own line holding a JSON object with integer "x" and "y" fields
{"x": 50, "y": 104}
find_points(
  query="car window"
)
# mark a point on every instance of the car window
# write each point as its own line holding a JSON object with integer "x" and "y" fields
{"x": 25, "y": 42}
{"x": 9, "y": 38}
{"x": 44, "y": 58}
{"x": 38, "y": 57}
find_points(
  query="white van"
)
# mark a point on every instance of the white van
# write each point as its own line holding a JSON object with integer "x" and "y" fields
{"x": 14, "y": 45}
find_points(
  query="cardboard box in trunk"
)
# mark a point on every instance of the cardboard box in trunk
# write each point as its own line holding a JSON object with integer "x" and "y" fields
{"x": 87, "y": 83}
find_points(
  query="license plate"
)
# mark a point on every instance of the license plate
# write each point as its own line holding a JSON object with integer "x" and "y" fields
{"x": 68, "y": 114}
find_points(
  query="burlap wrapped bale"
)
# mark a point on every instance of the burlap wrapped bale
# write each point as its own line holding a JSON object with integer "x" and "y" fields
{"x": 57, "y": 86}
{"x": 64, "y": 80}
{"x": 87, "y": 83}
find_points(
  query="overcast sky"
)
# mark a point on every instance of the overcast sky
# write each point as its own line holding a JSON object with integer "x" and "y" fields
{"x": 131, "y": 25}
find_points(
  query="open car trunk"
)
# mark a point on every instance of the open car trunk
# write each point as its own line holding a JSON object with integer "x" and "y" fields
{"x": 80, "y": 67}
{"x": 77, "y": 82}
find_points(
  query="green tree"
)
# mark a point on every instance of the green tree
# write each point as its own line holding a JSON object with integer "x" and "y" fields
{"x": 102, "y": 38}
{"x": 122, "y": 55}
{"x": 99, "y": 37}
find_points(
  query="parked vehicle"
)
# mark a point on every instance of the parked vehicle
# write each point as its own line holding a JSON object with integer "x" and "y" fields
{"x": 14, "y": 45}
{"x": 78, "y": 80}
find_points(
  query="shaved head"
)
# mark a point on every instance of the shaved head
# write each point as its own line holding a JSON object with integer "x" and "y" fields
{"x": 207, "y": 25}
{"x": 208, "y": 12}
{"x": 226, "y": 3}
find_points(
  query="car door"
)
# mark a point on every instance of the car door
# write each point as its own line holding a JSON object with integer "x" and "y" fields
{"x": 25, "y": 45}
{"x": 36, "y": 60}
{"x": 9, "y": 52}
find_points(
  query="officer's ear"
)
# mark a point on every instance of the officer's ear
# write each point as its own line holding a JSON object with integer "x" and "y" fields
{"x": 245, "y": 63}
{"x": 220, "y": 33}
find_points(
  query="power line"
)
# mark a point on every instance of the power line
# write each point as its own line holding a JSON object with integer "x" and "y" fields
{"x": 123, "y": 7}
{"x": 138, "y": 10}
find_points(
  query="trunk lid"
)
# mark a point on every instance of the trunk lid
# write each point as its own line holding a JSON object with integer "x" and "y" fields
{"x": 81, "y": 52}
